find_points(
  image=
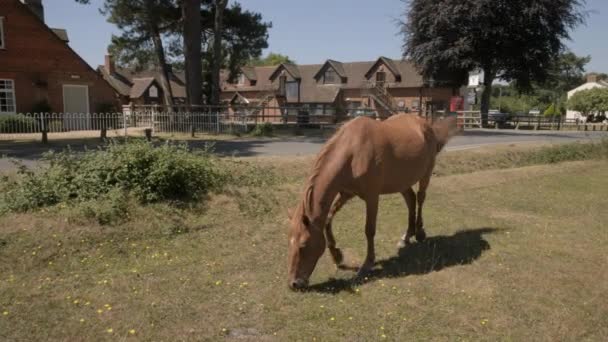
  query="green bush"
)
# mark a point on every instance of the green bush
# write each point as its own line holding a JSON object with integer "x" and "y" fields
{"x": 148, "y": 174}
{"x": 18, "y": 123}
{"x": 42, "y": 107}
{"x": 263, "y": 130}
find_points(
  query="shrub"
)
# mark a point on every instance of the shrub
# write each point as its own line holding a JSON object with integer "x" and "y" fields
{"x": 18, "y": 123}
{"x": 42, "y": 107}
{"x": 149, "y": 174}
{"x": 263, "y": 130}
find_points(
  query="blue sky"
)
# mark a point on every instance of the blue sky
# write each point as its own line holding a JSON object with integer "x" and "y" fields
{"x": 313, "y": 30}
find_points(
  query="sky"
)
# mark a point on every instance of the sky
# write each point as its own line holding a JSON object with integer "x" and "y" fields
{"x": 312, "y": 31}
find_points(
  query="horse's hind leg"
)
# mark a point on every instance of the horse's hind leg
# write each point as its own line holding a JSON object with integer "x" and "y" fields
{"x": 410, "y": 199}
{"x": 336, "y": 253}
{"x": 423, "y": 185}
{"x": 370, "y": 233}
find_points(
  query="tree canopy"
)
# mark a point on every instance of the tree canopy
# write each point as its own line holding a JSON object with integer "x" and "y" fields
{"x": 516, "y": 40}
{"x": 271, "y": 59}
{"x": 589, "y": 102}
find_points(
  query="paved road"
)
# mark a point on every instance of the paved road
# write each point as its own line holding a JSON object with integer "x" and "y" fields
{"x": 470, "y": 139}
{"x": 30, "y": 153}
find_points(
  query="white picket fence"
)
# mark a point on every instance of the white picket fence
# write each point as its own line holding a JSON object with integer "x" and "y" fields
{"x": 137, "y": 120}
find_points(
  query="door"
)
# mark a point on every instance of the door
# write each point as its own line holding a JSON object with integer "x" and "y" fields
{"x": 76, "y": 113}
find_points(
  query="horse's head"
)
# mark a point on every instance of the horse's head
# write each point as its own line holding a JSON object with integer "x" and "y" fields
{"x": 306, "y": 245}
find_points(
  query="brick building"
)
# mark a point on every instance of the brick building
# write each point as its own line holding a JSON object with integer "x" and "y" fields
{"x": 384, "y": 87}
{"x": 142, "y": 87}
{"x": 37, "y": 65}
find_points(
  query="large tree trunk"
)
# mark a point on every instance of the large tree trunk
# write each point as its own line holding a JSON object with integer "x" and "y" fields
{"x": 160, "y": 54}
{"x": 191, "y": 15}
{"x": 488, "y": 79}
{"x": 220, "y": 5}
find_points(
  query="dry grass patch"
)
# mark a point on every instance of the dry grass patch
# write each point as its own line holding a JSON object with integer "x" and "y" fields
{"x": 512, "y": 255}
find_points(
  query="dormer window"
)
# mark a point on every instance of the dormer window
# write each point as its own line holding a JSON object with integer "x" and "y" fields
{"x": 331, "y": 77}
{"x": 241, "y": 80}
{"x": 2, "y": 43}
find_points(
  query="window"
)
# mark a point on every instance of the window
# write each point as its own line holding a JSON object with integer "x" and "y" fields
{"x": 380, "y": 77}
{"x": 2, "y": 44}
{"x": 415, "y": 104}
{"x": 291, "y": 90}
{"x": 7, "y": 97}
{"x": 316, "y": 109}
{"x": 153, "y": 91}
{"x": 331, "y": 77}
{"x": 241, "y": 79}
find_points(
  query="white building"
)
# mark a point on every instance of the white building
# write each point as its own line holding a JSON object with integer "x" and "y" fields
{"x": 592, "y": 82}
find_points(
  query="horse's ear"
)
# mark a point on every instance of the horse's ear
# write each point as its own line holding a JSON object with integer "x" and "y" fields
{"x": 290, "y": 212}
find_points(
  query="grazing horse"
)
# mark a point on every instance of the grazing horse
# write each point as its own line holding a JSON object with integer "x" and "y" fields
{"x": 365, "y": 158}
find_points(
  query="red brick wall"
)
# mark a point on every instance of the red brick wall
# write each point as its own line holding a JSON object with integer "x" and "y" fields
{"x": 40, "y": 63}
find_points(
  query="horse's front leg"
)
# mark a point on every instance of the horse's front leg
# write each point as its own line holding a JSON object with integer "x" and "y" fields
{"x": 370, "y": 233}
{"x": 335, "y": 252}
{"x": 410, "y": 199}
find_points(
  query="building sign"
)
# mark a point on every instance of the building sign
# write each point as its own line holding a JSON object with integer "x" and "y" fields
{"x": 475, "y": 78}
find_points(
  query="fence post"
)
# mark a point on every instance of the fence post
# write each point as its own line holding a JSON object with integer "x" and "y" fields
{"x": 148, "y": 133}
{"x": 217, "y": 121}
{"x": 44, "y": 129}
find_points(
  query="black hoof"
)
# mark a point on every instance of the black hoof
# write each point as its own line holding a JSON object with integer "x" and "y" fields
{"x": 420, "y": 235}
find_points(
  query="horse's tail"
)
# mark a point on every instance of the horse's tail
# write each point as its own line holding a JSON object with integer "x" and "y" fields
{"x": 444, "y": 130}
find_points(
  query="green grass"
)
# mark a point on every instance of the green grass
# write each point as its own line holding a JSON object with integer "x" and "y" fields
{"x": 515, "y": 254}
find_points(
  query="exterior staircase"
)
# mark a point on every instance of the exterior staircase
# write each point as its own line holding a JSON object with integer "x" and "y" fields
{"x": 379, "y": 93}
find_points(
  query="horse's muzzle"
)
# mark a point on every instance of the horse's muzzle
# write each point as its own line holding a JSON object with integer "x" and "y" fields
{"x": 298, "y": 284}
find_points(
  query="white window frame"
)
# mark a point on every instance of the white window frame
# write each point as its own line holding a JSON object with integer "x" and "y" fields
{"x": 2, "y": 38}
{"x": 241, "y": 79}
{"x": 13, "y": 93}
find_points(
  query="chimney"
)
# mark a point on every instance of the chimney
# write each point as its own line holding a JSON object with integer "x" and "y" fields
{"x": 592, "y": 78}
{"x": 110, "y": 66}
{"x": 36, "y": 7}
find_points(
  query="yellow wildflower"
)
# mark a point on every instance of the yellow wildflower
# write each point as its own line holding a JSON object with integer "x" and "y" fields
{"x": 110, "y": 330}
{"x": 5, "y": 313}
{"x": 132, "y": 332}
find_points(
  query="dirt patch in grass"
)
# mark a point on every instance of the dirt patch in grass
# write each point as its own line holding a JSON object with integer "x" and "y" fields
{"x": 514, "y": 254}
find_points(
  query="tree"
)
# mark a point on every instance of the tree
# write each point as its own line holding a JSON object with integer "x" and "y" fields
{"x": 590, "y": 102}
{"x": 144, "y": 24}
{"x": 271, "y": 59}
{"x": 514, "y": 40}
{"x": 219, "y": 7}
{"x": 192, "y": 30}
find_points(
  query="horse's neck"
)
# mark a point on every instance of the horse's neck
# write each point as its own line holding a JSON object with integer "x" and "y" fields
{"x": 323, "y": 194}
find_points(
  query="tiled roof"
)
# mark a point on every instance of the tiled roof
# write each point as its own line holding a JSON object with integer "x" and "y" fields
{"x": 122, "y": 80}
{"x": 311, "y": 90}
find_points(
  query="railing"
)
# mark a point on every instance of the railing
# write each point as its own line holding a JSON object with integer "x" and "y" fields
{"x": 147, "y": 120}
{"x": 380, "y": 92}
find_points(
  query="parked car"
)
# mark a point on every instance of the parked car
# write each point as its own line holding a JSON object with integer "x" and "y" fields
{"x": 534, "y": 112}
{"x": 497, "y": 116}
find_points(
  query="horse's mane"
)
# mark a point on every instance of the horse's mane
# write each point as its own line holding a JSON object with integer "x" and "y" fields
{"x": 318, "y": 165}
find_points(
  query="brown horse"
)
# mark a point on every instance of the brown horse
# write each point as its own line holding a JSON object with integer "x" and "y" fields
{"x": 365, "y": 158}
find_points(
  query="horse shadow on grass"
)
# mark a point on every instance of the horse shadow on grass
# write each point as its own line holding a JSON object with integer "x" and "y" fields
{"x": 434, "y": 254}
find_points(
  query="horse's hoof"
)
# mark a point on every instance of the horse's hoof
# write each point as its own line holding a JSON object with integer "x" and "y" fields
{"x": 365, "y": 270}
{"x": 420, "y": 235}
{"x": 337, "y": 255}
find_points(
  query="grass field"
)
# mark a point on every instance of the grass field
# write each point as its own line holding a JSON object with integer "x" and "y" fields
{"x": 514, "y": 254}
